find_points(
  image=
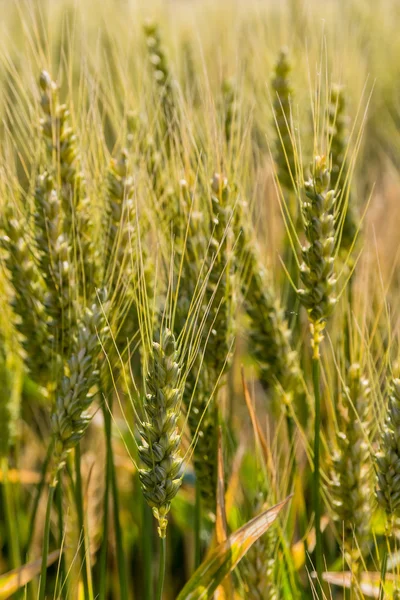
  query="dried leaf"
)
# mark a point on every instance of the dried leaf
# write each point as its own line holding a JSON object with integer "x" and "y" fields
{"x": 369, "y": 581}
{"x": 221, "y": 528}
{"x": 225, "y": 590}
{"x": 14, "y": 580}
{"x": 258, "y": 432}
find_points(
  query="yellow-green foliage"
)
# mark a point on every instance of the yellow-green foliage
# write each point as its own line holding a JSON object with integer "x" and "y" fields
{"x": 164, "y": 248}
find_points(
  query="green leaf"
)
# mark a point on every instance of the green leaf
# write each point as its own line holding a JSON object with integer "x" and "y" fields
{"x": 224, "y": 558}
{"x": 14, "y": 580}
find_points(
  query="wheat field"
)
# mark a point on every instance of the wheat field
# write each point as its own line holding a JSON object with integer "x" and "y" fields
{"x": 199, "y": 315}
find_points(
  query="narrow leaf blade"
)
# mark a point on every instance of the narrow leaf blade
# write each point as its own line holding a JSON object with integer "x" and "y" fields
{"x": 224, "y": 558}
{"x": 14, "y": 580}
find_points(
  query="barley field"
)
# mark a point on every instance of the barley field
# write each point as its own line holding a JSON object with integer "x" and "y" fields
{"x": 199, "y": 300}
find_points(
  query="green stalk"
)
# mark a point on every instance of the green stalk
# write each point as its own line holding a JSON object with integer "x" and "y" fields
{"x": 147, "y": 528}
{"x": 111, "y": 483}
{"x": 197, "y": 526}
{"x": 316, "y": 478}
{"x": 45, "y": 550}
{"x": 88, "y": 593}
{"x": 11, "y": 525}
{"x": 58, "y": 498}
{"x": 104, "y": 541}
{"x": 161, "y": 575}
{"x": 292, "y": 455}
{"x": 38, "y": 494}
{"x": 383, "y": 575}
{"x": 348, "y": 322}
{"x": 123, "y": 580}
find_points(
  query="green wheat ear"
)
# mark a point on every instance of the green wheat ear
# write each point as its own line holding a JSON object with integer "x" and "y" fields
{"x": 64, "y": 163}
{"x": 220, "y": 300}
{"x": 231, "y": 109}
{"x": 258, "y": 568}
{"x": 284, "y": 151}
{"x": 77, "y": 390}
{"x": 160, "y": 476}
{"x": 28, "y": 295}
{"x": 388, "y": 458}
{"x": 351, "y": 476}
{"x": 269, "y": 335}
{"x": 120, "y": 224}
{"x": 5, "y": 400}
{"x": 162, "y": 74}
{"x": 317, "y": 269}
{"x": 337, "y": 129}
{"x": 54, "y": 258}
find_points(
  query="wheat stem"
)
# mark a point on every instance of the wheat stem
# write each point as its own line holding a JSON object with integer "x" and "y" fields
{"x": 10, "y": 516}
{"x": 38, "y": 494}
{"x": 197, "y": 526}
{"x": 161, "y": 574}
{"x": 122, "y": 576}
{"x": 147, "y": 528}
{"x": 106, "y": 501}
{"x": 316, "y": 477}
{"x": 88, "y": 594}
{"x": 62, "y": 569}
{"x": 45, "y": 545}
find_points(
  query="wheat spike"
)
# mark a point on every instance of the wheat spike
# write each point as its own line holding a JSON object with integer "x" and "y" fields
{"x": 76, "y": 390}
{"x": 388, "y": 458}
{"x": 284, "y": 153}
{"x": 351, "y": 481}
{"x": 64, "y": 161}
{"x": 161, "y": 475}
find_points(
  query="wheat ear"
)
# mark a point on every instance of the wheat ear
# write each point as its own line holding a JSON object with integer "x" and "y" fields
{"x": 161, "y": 476}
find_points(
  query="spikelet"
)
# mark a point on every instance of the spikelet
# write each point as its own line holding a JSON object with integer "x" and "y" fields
{"x": 337, "y": 127}
{"x": 203, "y": 424}
{"x": 5, "y": 400}
{"x": 351, "y": 481}
{"x": 317, "y": 269}
{"x": 63, "y": 154}
{"x": 221, "y": 290}
{"x": 337, "y": 124}
{"x": 120, "y": 224}
{"x": 120, "y": 246}
{"x": 190, "y": 69}
{"x": 258, "y": 569}
{"x": 220, "y": 300}
{"x": 191, "y": 250}
{"x": 28, "y": 294}
{"x": 282, "y": 95}
{"x": 388, "y": 458}
{"x": 154, "y": 165}
{"x": 54, "y": 261}
{"x": 162, "y": 74}
{"x": 269, "y": 335}
{"x": 70, "y": 418}
{"x": 161, "y": 475}
{"x": 258, "y": 565}
{"x": 230, "y": 107}
{"x": 190, "y": 247}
